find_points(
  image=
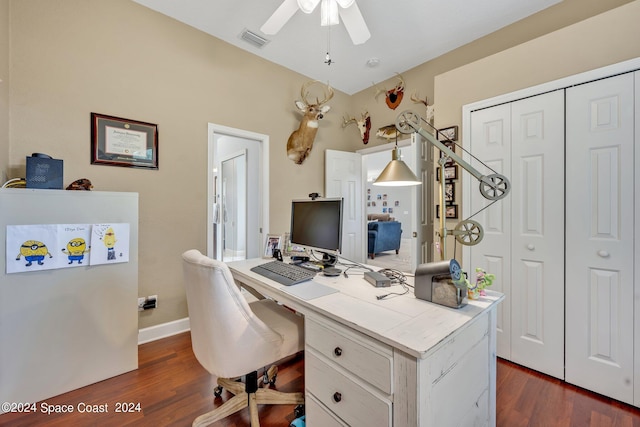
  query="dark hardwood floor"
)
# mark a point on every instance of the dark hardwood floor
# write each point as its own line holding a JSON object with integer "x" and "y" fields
{"x": 171, "y": 389}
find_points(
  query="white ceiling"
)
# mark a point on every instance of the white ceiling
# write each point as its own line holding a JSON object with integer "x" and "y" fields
{"x": 404, "y": 33}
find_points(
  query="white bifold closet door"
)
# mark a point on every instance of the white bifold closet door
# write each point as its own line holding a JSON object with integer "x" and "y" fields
{"x": 600, "y": 242}
{"x": 524, "y": 233}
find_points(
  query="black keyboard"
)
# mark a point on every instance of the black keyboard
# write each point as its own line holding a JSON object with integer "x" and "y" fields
{"x": 286, "y": 274}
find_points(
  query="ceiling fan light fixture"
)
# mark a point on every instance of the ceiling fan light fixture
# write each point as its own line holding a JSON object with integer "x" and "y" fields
{"x": 329, "y": 13}
{"x": 307, "y": 6}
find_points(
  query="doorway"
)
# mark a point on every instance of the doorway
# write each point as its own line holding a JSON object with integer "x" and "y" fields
{"x": 402, "y": 204}
{"x": 238, "y": 193}
{"x": 233, "y": 205}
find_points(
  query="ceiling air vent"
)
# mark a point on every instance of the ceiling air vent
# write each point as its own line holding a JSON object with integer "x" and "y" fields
{"x": 253, "y": 38}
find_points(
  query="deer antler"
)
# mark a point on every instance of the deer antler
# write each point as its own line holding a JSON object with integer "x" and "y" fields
{"x": 348, "y": 120}
{"x": 415, "y": 97}
{"x": 304, "y": 93}
{"x": 397, "y": 89}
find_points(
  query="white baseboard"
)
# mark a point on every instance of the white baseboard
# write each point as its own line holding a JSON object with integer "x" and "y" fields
{"x": 163, "y": 330}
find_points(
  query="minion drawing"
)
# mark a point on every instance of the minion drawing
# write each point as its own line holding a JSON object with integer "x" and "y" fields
{"x": 109, "y": 240}
{"x": 76, "y": 248}
{"x": 32, "y": 250}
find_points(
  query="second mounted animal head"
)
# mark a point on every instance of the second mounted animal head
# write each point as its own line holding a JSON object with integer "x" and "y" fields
{"x": 364, "y": 125}
{"x": 431, "y": 109}
{"x": 301, "y": 140}
{"x": 393, "y": 97}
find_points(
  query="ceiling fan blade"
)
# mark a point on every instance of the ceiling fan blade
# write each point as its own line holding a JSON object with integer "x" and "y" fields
{"x": 280, "y": 17}
{"x": 354, "y": 22}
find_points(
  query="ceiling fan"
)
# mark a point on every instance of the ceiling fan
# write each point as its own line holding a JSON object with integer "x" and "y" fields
{"x": 329, "y": 11}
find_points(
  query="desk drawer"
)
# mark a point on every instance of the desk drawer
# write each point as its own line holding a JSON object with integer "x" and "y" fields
{"x": 353, "y": 401}
{"x": 318, "y": 415}
{"x": 357, "y": 353}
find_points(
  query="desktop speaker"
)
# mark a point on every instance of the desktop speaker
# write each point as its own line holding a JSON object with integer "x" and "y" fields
{"x": 44, "y": 172}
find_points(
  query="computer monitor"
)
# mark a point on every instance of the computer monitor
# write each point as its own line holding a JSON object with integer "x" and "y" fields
{"x": 316, "y": 224}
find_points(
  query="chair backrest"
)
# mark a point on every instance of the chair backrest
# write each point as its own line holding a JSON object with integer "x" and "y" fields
{"x": 228, "y": 339}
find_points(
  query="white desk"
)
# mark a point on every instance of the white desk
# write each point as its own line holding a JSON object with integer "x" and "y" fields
{"x": 399, "y": 361}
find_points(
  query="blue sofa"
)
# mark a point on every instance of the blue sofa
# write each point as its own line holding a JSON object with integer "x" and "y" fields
{"x": 384, "y": 236}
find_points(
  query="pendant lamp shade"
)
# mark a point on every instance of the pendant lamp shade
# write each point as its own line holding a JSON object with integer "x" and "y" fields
{"x": 397, "y": 173}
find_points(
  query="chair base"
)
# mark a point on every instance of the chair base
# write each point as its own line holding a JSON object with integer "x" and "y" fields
{"x": 242, "y": 399}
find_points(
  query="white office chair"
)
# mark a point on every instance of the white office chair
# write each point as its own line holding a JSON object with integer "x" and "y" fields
{"x": 232, "y": 338}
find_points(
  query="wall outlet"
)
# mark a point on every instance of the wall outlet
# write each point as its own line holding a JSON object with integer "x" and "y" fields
{"x": 152, "y": 302}
{"x": 146, "y": 303}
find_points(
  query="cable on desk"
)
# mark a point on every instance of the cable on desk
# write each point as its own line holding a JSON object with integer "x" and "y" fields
{"x": 396, "y": 276}
{"x": 351, "y": 264}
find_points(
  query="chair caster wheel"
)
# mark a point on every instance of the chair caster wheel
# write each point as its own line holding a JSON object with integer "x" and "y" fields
{"x": 217, "y": 392}
{"x": 270, "y": 376}
{"x": 299, "y": 411}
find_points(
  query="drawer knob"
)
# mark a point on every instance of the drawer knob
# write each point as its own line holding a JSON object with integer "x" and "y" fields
{"x": 337, "y": 397}
{"x": 603, "y": 254}
{"x": 337, "y": 351}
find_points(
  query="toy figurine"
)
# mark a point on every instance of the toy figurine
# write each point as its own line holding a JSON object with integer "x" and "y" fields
{"x": 483, "y": 280}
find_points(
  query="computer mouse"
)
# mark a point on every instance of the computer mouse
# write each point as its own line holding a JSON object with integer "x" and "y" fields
{"x": 331, "y": 271}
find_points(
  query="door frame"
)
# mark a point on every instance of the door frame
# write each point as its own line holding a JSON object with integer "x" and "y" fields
{"x": 263, "y": 161}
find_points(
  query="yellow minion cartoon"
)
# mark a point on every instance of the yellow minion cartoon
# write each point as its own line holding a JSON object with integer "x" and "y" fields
{"x": 32, "y": 250}
{"x": 109, "y": 240}
{"x": 76, "y": 248}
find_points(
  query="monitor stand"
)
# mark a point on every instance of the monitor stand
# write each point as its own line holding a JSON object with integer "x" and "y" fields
{"x": 328, "y": 260}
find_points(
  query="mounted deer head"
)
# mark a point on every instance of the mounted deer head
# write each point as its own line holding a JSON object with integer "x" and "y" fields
{"x": 393, "y": 96}
{"x": 430, "y": 108}
{"x": 301, "y": 140}
{"x": 364, "y": 125}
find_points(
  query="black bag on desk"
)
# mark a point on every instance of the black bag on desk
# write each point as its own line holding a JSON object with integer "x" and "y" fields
{"x": 44, "y": 172}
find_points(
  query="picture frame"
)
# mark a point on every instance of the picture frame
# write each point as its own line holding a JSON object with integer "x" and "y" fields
{"x": 450, "y": 173}
{"x": 451, "y": 211}
{"x": 116, "y": 141}
{"x": 448, "y": 134}
{"x": 271, "y": 242}
{"x": 451, "y": 146}
{"x": 449, "y": 192}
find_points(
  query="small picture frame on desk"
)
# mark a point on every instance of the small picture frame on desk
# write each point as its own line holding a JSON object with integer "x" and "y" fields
{"x": 273, "y": 241}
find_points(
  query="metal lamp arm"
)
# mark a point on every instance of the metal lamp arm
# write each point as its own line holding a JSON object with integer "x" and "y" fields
{"x": 493, "y": 187}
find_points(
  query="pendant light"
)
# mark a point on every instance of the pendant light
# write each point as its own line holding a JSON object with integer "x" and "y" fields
{"x": 397, "y": 173}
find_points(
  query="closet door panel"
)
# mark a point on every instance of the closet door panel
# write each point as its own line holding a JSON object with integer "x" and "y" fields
{"x": 637, "y": 245}
{"x": 600, "y": 224}
{"x": 537, "y": 233}
{"x": 491, "y": 143}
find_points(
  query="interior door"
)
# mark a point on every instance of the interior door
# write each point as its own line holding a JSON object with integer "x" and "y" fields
{"x": 343, "y": 178}
{"x": 537, "y": 232}
{"x": 234, "y": 206}
{"x": 600, "y": 227}
{"x": 422, "y": 224}
{"x": 490, "y": 141}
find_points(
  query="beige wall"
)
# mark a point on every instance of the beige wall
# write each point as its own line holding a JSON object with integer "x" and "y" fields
{"x": 69, "y": 58}
{"x": 421, "y": 78}
{"x": 605, "y": 39}
{"x": 4, "y": 89}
